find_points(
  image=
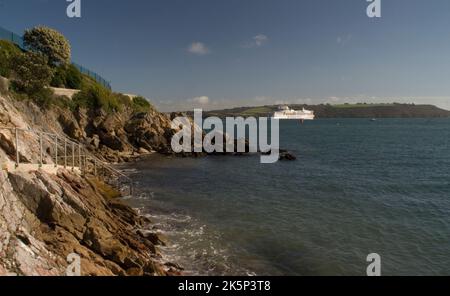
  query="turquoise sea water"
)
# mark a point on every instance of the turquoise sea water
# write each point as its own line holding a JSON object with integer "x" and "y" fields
{"x": 358, "y": 187}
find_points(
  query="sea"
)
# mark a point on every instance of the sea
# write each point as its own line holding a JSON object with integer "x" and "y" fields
{"x": 358, "y": 187}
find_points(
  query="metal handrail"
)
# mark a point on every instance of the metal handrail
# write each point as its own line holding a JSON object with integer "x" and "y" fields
{"x": 74, "y": 146}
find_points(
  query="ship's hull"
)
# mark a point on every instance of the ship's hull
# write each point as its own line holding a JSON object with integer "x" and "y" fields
{"x": 295, "y": 117}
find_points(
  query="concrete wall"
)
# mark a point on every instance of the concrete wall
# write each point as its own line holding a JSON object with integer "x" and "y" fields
{"x": 4, "y": 84}
{"x": 65, "y": 92}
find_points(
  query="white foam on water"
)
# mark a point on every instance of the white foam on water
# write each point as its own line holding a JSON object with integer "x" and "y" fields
{"x": 192, "y": 245}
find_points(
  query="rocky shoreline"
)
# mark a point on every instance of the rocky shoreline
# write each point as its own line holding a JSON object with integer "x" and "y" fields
{"x": 46, "y": 217}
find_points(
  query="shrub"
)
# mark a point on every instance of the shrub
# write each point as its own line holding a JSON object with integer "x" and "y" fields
{"x": 140, "y": 104}
{"x": 97, "y": 97}
{"x": 44, "y": 98}
{"x": 7, "y": 51}
{"x": 59, "y": 77}
{"x": 73, "y": 77}
{"x": 63, "y": 102}
{"x": 32, "y": 72}
{"x": 49, "y": 42}
{"x": 124, "y": 100}
{"x": 67, "y": 76}
{"x": 88, "y": 82}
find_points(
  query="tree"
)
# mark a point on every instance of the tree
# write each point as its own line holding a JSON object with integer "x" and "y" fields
{"x": 32, "y": 72}
{"x": 49, "y": 42}
{"x": 67, "y": 76}
{"x": 74, "y": 78}
{"x": 7, "y": 51}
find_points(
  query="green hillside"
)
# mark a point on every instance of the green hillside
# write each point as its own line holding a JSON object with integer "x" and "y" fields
{"x": 361, "y": 110}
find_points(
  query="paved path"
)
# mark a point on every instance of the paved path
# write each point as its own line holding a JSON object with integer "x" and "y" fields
{"x": 28, "y": 167}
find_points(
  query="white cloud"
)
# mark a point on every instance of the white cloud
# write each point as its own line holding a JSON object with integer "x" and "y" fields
{"x": 343, "y": 40}
{"x": 203, "y": 100}
{"x": 260, "y": 39}
{"x": 257, "y": 41}
{"x": 198, "y": 48}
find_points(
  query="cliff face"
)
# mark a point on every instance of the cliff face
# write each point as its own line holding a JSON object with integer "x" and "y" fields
{"x": 45, "y": 217}
{"x": 115, "y": 136}
{"x": 118, "y": 135}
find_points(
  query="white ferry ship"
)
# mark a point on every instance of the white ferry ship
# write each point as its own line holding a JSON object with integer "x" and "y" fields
{"x": 284, "y": 112}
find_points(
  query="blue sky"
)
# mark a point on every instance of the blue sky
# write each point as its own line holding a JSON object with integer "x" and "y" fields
{"x": 222, "y": 53}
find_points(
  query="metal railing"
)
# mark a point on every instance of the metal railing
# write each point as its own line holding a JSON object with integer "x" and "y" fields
{"x": 13, "y": 37}
{"x": 18, "y": 40}
{"x": 61, "y": 151}
{"x": 93, "y": 75}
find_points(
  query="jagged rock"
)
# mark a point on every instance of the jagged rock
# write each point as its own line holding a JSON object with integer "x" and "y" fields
{"x": 7, "y": 144}
{"x": 103, "y": 242}
{"x": 33, "y": 195}
{"x": 111, "y": 141}
{"x": 155, "y": 238}
{"x": 287, "y": 156}
{"x": 174, "y": 265}
{"x": 143, "y": 151}
{"x": 130, "y": 263}
{"x": 45, "y": 217}
{"x": 283, "y": 155}
{"x": 95, "y": 141}
{"x": 153, "y": 268}
{"x": 174, "y": 115}
{"x": 70, "y": 126}
{"x": 135, "y": 271}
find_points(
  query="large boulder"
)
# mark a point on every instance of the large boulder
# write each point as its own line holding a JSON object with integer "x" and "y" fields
{"x": 70, "y": 126}
{"x": 103, "y": 242}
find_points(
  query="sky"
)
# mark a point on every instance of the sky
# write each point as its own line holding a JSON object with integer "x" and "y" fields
{"x": 214, "y": 54}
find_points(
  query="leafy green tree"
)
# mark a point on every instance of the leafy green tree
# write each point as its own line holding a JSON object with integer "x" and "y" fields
{"x": 59, "y": 77}
{"x": 7, "y": 51}
{"x": 67, "y": 76}
{"x": 74, "y": 77}
{"x": 49, "y": 42}
{"x": 32, "y": 72}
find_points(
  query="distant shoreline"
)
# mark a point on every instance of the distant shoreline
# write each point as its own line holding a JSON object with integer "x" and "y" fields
{"x": 342, "y": 111}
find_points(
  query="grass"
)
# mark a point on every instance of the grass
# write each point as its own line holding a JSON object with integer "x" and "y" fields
{"x": 257, "y": 111}
{"x": 361, "y": 105}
